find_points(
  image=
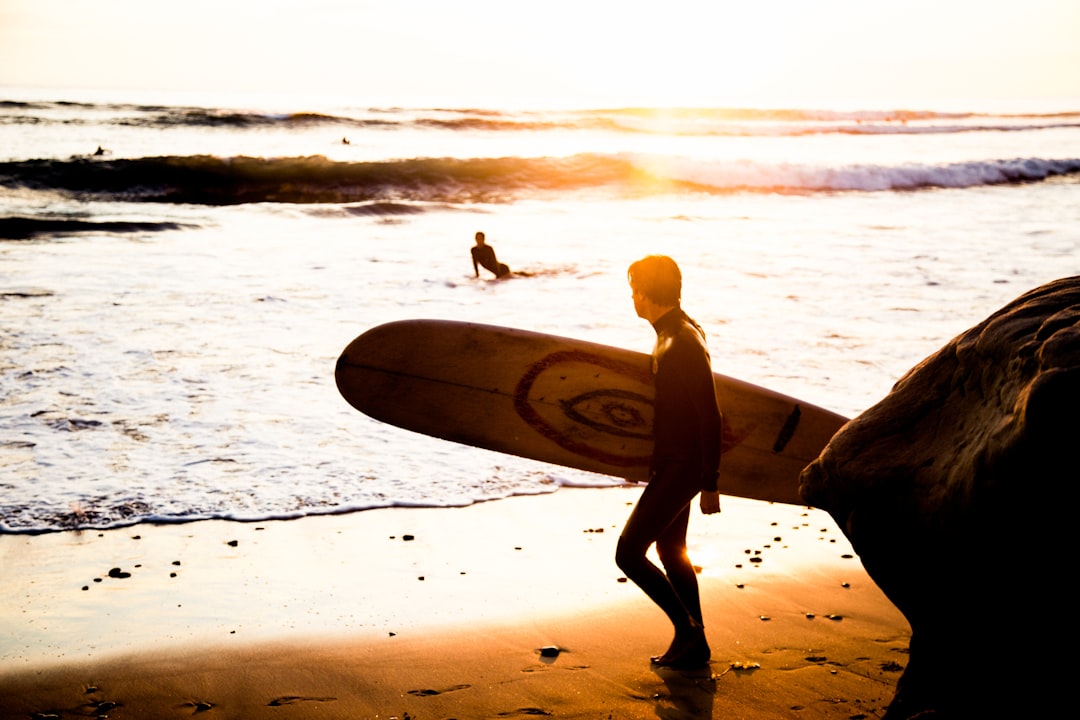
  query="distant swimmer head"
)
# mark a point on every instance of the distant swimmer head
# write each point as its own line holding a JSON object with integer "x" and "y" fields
{"x": 479, "y": 238}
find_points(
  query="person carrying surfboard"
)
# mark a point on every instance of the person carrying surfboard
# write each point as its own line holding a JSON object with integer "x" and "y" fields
{"x": 483, "y": 255}
{"x": 687, "y": 426}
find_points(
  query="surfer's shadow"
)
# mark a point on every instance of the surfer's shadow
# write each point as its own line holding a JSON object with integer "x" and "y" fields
{"x": 690, "y": 694}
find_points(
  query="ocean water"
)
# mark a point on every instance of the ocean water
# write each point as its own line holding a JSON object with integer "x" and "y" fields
{"x": 178, "y": 279}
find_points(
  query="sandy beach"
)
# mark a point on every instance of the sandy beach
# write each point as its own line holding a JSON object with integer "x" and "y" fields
{"x": 510, "y": 608}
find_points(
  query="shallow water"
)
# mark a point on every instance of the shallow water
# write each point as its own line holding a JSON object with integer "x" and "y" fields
{"x": 187, "y": 372}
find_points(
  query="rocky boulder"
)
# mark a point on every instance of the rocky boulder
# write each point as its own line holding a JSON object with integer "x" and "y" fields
{"x": 957, "y": 491}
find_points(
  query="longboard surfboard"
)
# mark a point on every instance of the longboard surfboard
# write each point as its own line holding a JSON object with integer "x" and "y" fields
{"x": 568, "y": 402}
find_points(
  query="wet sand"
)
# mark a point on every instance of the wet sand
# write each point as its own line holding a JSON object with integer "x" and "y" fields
{"x": 512, "y": 608}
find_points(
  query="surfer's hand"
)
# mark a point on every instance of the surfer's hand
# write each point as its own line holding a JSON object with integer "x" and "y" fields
{"x": 710, "y": 502}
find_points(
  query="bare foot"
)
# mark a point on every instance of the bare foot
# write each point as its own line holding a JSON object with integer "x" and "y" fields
{"x": 688, "y": 650}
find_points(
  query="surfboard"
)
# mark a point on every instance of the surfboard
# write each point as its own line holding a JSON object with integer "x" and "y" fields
{"x": 568, "y": 402}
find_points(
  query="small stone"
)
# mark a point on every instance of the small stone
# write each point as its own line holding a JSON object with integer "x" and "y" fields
{"x": 549, "y": 651}
{"x": 233, "y": 543}
{"x": 118, "y": 573}
{"x": 408, "y": 538}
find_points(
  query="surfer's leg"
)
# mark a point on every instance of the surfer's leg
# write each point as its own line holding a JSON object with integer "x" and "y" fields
{"x": 671, "y": 547}
{"x": 654, "y": 511}
{"x": 688, "y": 648}
{"x": 661, "y": 504}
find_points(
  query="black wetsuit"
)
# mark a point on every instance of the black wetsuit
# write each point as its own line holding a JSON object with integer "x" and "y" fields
{"x": 484, "y": 255}
{"x": 686, "y": 424}
{"x": 686, "y": 420}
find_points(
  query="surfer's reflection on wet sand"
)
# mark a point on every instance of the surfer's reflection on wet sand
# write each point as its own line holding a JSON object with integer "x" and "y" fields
{"x": 689, "y": 694}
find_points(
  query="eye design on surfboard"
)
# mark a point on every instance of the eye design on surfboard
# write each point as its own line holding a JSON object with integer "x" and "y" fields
{"x": 612, "y": 425}
{"x": 617, "y": 412}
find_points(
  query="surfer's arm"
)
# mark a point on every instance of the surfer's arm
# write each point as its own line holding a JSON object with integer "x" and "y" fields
{"x": 712, "y": 426}
{"x": 709, "y": 423}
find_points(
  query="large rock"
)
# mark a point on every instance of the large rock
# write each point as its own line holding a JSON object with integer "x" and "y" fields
{"x": 957, "y": 490}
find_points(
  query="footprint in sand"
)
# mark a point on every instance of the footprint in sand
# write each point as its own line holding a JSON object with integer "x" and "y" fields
{"x": 290, "y": 699}
{"x": 198, "y": 706}
{"x": 429, "y": 692}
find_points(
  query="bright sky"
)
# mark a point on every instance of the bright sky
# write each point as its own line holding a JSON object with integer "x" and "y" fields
{"x": 556, "y": 52}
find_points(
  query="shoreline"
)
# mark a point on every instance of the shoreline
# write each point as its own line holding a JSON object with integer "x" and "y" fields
{"x": 441, "y": 613}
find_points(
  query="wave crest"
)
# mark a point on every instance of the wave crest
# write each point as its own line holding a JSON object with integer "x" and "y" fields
{"x": 209, "y": 180}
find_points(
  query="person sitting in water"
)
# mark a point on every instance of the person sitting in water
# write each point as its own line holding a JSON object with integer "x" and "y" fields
{"x": 484, "y": 255}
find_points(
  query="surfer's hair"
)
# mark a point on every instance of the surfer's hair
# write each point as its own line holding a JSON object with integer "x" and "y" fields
{"x": 658, "y": 278}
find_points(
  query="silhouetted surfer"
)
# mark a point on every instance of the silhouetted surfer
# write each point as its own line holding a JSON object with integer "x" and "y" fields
{"x": 687, "y": 426}
{"x": 484, "y": 255}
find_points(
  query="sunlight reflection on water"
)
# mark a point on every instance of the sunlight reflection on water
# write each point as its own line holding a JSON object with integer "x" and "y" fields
{"x": 189, "y": 374}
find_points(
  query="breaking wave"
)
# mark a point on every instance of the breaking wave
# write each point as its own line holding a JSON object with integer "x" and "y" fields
{"x": 208, "y": 180}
